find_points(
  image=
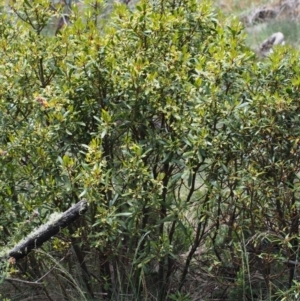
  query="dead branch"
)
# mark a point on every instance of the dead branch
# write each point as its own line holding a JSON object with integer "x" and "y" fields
{"x": 46, "y": 231}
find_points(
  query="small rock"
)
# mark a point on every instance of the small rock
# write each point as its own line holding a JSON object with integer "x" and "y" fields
{"x": 267, "y": 45}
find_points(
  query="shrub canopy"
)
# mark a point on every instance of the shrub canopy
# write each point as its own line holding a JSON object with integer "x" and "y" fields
{"x": 186, "y": 147}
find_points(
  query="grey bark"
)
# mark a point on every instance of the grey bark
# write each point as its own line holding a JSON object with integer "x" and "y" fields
{"x": 46, "y": 231}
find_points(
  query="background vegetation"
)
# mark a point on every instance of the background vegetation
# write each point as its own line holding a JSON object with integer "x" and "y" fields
{"x": 184, "y": 144}
{"x": 266, "y": 18}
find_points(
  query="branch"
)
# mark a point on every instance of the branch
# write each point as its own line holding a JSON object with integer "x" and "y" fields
{"x": 46, "y": 231}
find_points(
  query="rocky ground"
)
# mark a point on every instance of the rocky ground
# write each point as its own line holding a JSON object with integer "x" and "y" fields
{"x": 267, "y": 23}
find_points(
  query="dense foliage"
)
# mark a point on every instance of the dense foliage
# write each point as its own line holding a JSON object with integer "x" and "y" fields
{"x": 185, "y": 146}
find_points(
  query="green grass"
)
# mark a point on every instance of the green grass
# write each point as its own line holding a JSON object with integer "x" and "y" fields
{"x": 257, "y": 33}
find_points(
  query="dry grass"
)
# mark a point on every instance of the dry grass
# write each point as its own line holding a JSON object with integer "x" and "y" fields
{"x": 238, "y": 6}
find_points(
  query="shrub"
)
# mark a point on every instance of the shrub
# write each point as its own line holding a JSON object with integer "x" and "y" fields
{"x": 185, "y": 146}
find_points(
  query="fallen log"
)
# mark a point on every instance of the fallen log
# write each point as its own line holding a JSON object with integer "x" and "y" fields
{"x": 46, "y": 231}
